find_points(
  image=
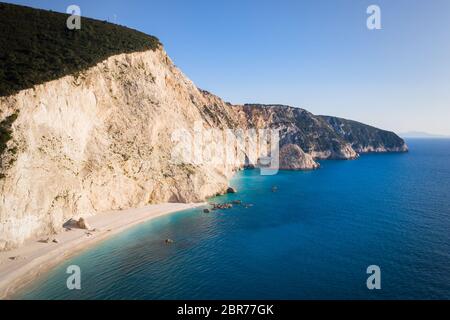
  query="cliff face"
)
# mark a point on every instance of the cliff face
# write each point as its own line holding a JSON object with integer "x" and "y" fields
{"x": 364, "y": 138}
{"x": 99, "y": 141}
{"x": 132, "y": 130}
{"x": 300, "y": 127}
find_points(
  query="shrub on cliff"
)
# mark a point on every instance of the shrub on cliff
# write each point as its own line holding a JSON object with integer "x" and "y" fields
{"x": 5, "y": 132}
{"x": 36, "y": 46}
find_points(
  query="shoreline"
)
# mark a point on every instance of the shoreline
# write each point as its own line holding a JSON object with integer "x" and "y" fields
{"x": 35, "y": 257}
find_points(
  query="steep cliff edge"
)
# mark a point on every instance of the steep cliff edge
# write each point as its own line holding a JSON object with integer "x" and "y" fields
{"x": 300, "y": 127}
{"x": 364, "y": 138}
{"x": 107, "y": 137}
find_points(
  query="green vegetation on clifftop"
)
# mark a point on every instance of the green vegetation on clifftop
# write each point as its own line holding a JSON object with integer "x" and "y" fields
{"x": 36, "y": 46}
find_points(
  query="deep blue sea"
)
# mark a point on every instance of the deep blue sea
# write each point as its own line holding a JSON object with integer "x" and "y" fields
{"x": 312, "y": 239}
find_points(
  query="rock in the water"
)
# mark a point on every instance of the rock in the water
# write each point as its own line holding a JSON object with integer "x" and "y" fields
{"x": 236, "y": 202}
{"x": 206, "y": 210}
{"x": 231, "y": 190}
{"x": 168, "y": 241}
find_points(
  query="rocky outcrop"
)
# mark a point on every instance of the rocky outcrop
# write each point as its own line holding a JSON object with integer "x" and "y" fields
{"x": 231, "y": 190}
{"x": 83, "y": 224}
{"x": 292, "y": 157}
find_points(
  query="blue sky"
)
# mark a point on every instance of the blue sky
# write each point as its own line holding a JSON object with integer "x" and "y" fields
{"x": 315, "y": 54}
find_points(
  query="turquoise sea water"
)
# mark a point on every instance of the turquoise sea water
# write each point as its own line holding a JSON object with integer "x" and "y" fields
{"x": 313, "y": 239}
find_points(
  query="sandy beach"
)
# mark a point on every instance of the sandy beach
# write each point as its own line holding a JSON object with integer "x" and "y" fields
{"x": 21, "y": 266}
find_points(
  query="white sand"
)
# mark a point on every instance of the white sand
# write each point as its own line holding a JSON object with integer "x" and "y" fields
{"x": 35, "y": 257}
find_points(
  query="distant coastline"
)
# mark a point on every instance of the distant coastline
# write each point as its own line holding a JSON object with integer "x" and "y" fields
{"x": 422, "y": 135}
